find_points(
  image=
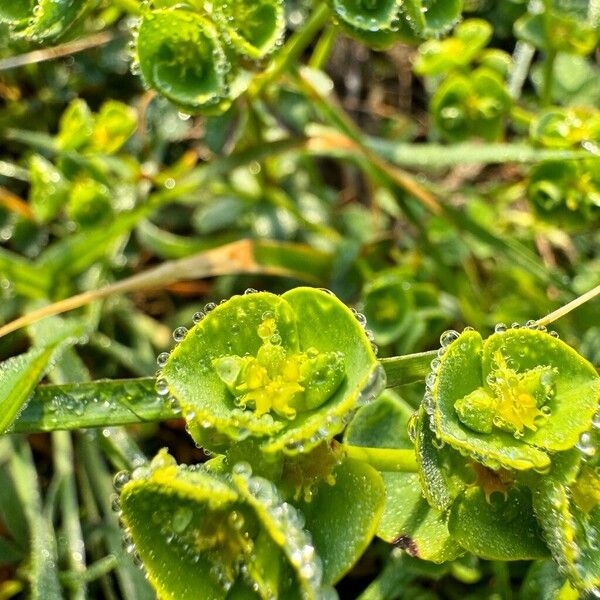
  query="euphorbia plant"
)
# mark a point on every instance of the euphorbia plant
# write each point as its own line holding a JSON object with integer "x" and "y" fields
{"x": 499, "y": 460}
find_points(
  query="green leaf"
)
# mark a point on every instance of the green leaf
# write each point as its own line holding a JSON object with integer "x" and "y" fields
{"x": 440, "y": 56}
{"x": 94, "y": 404}
{"x": 51, "y": 18}
{"x": 501, "y": 529}
{"x": 113, "y": 126}
{"x": 18, "y": 377}
{"x": 271, "y": 367}
{"x": 368, "y": 15}
{"x": 567, "y": 505}
{"x": 212, "y": 525}
{"x": 254, "y": 28}
{"x": 181, "y": 56}
{"x": 89, "y": 202}
{"x": 353, "y": 505}
{"x": 15, "y": 11}
{"x": 432, "y": 17}
{"x": 75, "y": 126}
{"x": 168, "y": 512}
{"x": 49, "y": 188}
{"x": 576, "y": 388}
{"x": 459, "y": 374}
{"x": 387, "y": 307}
{"x": 565, "y": 193}
{"x": 407, "y": 518}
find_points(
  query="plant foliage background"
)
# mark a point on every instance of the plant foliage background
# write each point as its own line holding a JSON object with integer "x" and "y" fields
{"x": 170, "y": 432}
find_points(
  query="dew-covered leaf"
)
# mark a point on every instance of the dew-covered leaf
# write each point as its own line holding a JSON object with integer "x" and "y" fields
{"x": 459, "y": 374}
{"x": 429, "y": 18}
{"x": 501, "y": 528}
{"x": 271, "y": 366}
{"x": 369, "y": 15}
{"x": 49, "y": 190}
{"x": 175, "y": 517}
{"x": 181, "y": 56}
{"x": 575, "y": 388}
{"x": 51, "y": 18}
{"x": 407, "y": 519}
{"x": 567, "y": 504}
{"x": 253, "y": 28}
{"x": 353, "y": 505}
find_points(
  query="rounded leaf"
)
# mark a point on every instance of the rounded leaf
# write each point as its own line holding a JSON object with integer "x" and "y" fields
{"x": 289, "y": 369}
{"x": 253, "y": 28}
{"x": 498, "y": 528}
{"x": 181, "y": 56}
{"x": 352, "y": 505}
{"x": 367, "y": 15}
{"x": 510, "y": 400}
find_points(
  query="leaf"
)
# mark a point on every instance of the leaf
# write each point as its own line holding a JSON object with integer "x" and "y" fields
{"x": 501, "y": 529}
{"x": 49, "y": 188}
{"x": 407, "y": 520}
{"x": 433, "y": 17}
{"x": 113, "y": 126}
{"x": 94, "y": 404}
{"x": 353, "y": 505}
{"x": 219, "y": 355}
{"x": 15, "y": 11}
{"x": 75, "y": 126}
{"x": 459, "y": 374}
{"x": 181, "y": 56}
{"x": 254, "y": 28}
{"x": 162, "y": 511}
{"x": 361, "y": 15}
{"x": 210, "y": 525}
{"x": 51, "y": 18}
{"x": 18, "y": 377}
{"x": 387, "y": 307}
{"x": 569, "y": 513}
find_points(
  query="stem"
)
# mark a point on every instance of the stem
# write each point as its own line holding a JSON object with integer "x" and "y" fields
{"x": 292, "y": 50}
{"x": 385, "y": 459}
{"x": 567, "y": 308}
{"x": 322, "y": 50}
{"x": 410, "y": 368}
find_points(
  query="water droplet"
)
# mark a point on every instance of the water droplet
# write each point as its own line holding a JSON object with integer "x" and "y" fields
{"x": 242, "y": 468}
{"x": 161, "y": 386}
{"x": 162, "y": 359}
{"x": 179, "y": 334}
{"x": 198, "y": 316}
{"x": 120, "y": 479}
{"x": 500, "y": 328}
{"x": 448, "y": 337}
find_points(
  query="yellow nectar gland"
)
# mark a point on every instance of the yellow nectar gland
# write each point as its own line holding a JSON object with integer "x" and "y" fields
{"x": 586, "y": 490}
{"x": 511, "y": 402}
{"x": 275, "y": 380}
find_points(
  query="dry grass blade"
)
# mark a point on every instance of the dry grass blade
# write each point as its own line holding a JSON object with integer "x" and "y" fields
{"x": 237, "y": 257}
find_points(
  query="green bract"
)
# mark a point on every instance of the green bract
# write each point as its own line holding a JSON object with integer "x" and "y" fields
{"x": 567, "y": 504}
{"x": 180, "y": 54}
{"x": 41, "y": 19}
{"x": 253, "y": 28}
{"x": 288, "y": 369}
{"x": 566, "y": 128}
{"x": 511, "y": 401}
{"x": 471, "y": 106}
{"x": 440, "y": 56}
{"x": 205, "y": 535}
{"x": 566, "y": 192}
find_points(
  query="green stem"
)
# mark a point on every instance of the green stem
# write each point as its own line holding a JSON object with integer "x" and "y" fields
{"x": 411, "y": 368}
{"x": 385, "y": 459}
{"x": 293, "y": 49}
{"x": 322, "y": 50}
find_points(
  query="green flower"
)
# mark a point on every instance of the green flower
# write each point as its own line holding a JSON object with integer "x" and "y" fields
{"x": 289, "y": 370}
{"x": 512, "y": 400}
